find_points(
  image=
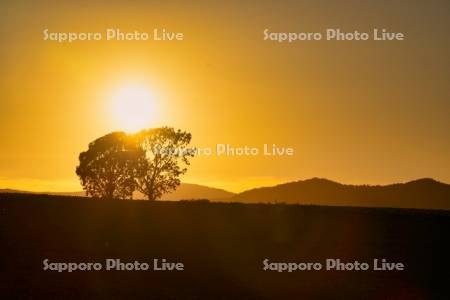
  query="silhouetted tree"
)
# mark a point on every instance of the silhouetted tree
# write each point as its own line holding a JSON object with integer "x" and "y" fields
{"x": 166, "y": 155}
{"x": 107, "y": 168}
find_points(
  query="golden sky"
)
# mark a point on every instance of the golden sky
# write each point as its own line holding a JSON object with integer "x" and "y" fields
{"x": 355, "y": 112}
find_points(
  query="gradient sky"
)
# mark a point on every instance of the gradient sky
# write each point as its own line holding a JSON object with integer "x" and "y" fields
{"x": 355, "y": 112}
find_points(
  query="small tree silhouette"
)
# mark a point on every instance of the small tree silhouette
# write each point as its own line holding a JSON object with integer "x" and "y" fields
{"x": 166, "y": 155}
{"x": 107, "y": 168}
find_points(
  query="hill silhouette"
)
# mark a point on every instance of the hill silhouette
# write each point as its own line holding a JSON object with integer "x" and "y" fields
{"x": 190, "y": 191}
{"x": 421, "y": 193}
{"x": 425, "y": 193}
{"x": 186, "y": 191}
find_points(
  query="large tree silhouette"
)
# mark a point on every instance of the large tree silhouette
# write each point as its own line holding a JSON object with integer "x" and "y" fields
{"x": 166, "y": 157}
{"x": 107, "y": 168}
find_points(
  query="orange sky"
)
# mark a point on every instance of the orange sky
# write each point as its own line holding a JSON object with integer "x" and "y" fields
{"x": 355, "y": 112}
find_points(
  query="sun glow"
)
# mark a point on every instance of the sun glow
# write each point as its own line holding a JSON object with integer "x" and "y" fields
{"x": 133, "y": 107}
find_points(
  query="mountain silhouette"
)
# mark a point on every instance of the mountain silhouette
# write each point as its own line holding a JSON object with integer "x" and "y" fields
{"x": 422, "y": 193}
{"x": 425, "y": 193}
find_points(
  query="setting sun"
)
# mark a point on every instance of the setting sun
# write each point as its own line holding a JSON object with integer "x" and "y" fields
{"x": 133, "y": 107}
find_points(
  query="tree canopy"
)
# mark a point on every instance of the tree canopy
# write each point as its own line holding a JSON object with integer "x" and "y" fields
{"x": 150, "y": 161}
{"x": 166, "y": 158}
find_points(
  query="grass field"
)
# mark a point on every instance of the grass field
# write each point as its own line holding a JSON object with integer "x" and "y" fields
{"x": 222, "y": 247}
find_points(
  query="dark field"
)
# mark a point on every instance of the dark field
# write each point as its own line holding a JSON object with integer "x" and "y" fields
{"x": 222, "y": 247}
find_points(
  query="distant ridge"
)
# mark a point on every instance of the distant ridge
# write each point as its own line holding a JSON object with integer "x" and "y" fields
{"x": 421, "y": 193}
{"x": 425, "y": 193}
